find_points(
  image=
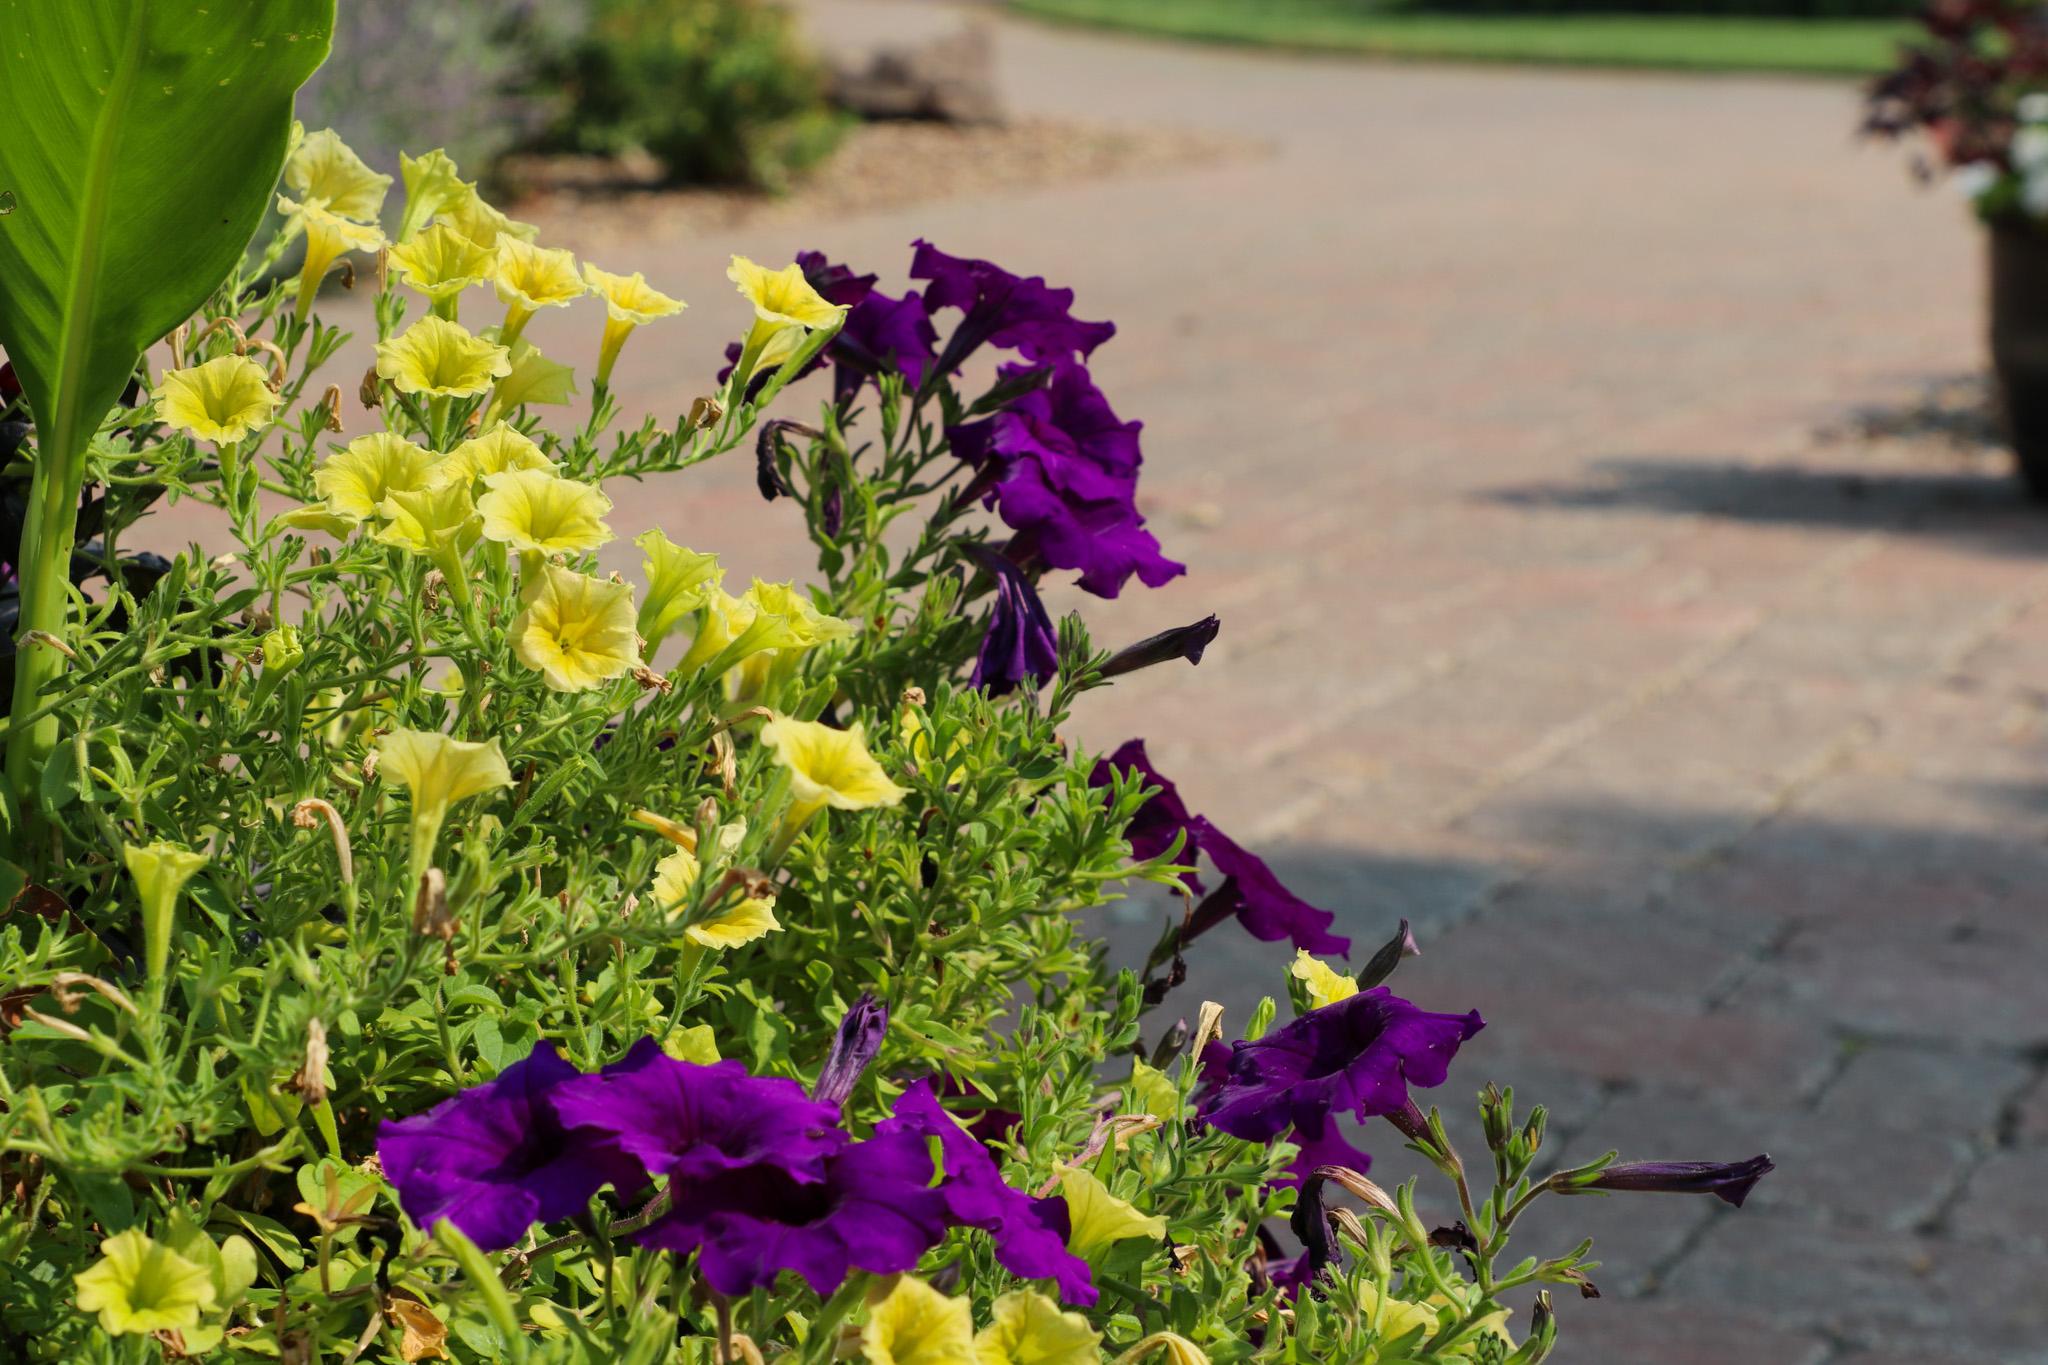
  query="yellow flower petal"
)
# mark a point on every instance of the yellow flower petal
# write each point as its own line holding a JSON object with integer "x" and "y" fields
{"x": 1165, "y": 1348}
{"x": 468, "y": 214}
{"x": 629, "y": 298}
{"x": 431, "y": 185}
{"x": 441, "y": 359}
{"x": 317, "y": 516}
{"x": 917, "y": 1325}
{"x": 1029, "y": 1329}
{"x": 1098, "y": 1218}
{"x": 534, "y": 380}
{"x": 438, "y": 771}
{"x": 222, "y": 400}
{"x": 531, "y": 277}
{"x": 139, "y": 1286}
{"x": 328, "y": 237}
{"x": 679, "y": 581}
{"x": 731, "y": 925}
{"x": 1325, "y": 984}
{"x": 829, "y": 767}
{"x": 782, "y": 297}
{"x": 501, "y": 448}
{"x": 576, "y": 631}
{"x": 808, "y": 626}
{"x": 1151, "y": 1091}
{"x": 355, "y": 482}
{"x": 629, "y": 302}
{"x": 324, "y": 171}
{"x": 436, "y": 521}
{"x": 693, "y": 1044}
{"x": 542, "y": 512}
{"x": 441, "y": 262}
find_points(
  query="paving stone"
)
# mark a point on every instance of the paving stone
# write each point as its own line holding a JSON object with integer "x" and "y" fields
{"x": 1959, "y": 1093}
{"x": 2007, "y": 1201}
{"x": 1609, "y": 1332}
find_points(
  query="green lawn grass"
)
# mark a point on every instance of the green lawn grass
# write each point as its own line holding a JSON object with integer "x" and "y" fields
{"x": 1846, "y": 47}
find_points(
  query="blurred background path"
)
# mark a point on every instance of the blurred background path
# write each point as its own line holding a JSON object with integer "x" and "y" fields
{"x": 1614, "y": 583}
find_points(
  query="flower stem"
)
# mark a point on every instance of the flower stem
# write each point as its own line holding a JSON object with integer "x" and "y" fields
{"x": 45, "y": 571}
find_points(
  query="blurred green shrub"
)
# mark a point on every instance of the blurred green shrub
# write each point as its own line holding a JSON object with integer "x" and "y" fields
{"x": 719, "y": 91}
{"x": 464, "y": 75}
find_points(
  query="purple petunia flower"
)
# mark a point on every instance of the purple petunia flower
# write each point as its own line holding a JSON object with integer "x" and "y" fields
{"x": 856, "y": 1043}
{"x": 1066, "y": 426}
{"x": 1358, "y": 1056}
{"x": 1322, "y": 1144}
{"x": 882, "y": 333}
{"x": 871, "y": 1208}
{"x": 1022, "y": 313}
{"x": 690, "y": 1121}
{"x": 1030, "y": 1235}
{"x": 1020, "y": 644}
{"x": 1729, "y": 1181}
{"x": 498, "y": 1158}
{"x": 1250, "y": 892}
{"x": 1105, "y": 540}
{"x": 1161, "y": 819}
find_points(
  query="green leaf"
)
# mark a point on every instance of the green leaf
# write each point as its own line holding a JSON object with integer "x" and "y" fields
{"x": 147, "y": 135}
{"x": 144, "y": 137}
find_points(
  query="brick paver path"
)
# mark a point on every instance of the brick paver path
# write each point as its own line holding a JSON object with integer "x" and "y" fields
{"x": 1705, "y": 757}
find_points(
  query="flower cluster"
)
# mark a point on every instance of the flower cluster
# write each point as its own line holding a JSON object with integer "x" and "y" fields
{"x": 756, "y": 1178}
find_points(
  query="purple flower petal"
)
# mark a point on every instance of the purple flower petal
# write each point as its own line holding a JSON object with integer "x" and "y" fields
{"x": 1020, "y": 643}
{"x": 497, "y": 1158}
{"x": 1268, "y": 910}
{"x": 1022, "y": 313}
{"x": 1358, "y": 1056}
{"x": 1161, "y": 819}
{"x": 1030, "y": 1235}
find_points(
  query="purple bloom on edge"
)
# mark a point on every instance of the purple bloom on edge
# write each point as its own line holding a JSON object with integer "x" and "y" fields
{"x": 498, "y": 1158}
{"x": 1020, "y": 644}
{"x": 1020, "y": 312}
{"x": 691, "y": 1122}
{"x": 882, "y": 333}
{"x": 1358, "y": 1055}
{"x": 872, "y": 1208}
{"x": 1030, "y": 1235}
{"x": 1162, "y": 818}
{"x": 1322, "y": 1145}
{"x": 1729, "y": 1181}
{"x": 1267, "y": 910}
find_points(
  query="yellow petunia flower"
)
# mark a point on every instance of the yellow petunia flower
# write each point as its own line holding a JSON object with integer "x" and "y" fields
{"x": 160, "y": 871}
{"x": 629, "y": 302}
{"x": 328, "y": 237}
{"x": 727, "y": 619}
{"x": 917, "y": 1325}
{"x": 576, "y": 631}
{"x": 431, "y": 185}
{"x": 438, "y": 771}
{"x": 221, "y": 401}
{"x": 439, "y": 358}
{"x": 807, "y": 625}
{"x": 540, "y": 512}
{"x": 1029, "y": 1329}
{"x": 1098, "y": 1218}
{"x": 1151, "y": 1091}
{"x": 139, "y": 1286}
{"x": 529, "y": 278}
{"x": 534, "y": 380}
{"x": 785, "y": 308}
{"x": 441, "y": 263}
{"x": 1401, "y": 1317}
{"x": 438, "y": 522}
{"x": 1164, "y": 1348}
{"x": 827, "y": 767}
{"x": 679, "y": 581}
{"x": 733, "y": 924}
{"x": 1325, "y": 984}
{"x": 468, "y": 214}
{"x": 323, "y": 170}
{"x": 497, "y": 450}
{"x": 355, "y": 482}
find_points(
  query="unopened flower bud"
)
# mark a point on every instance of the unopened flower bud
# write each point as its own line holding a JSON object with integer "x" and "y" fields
{"x": 705, "y": 412}
{"x": 309, "y": 1082}
{"x": 1389, "y": 956}
{"x": 282, "y": 651}
{"x": 853, "y": 1047}
{"x": 1497, "y": 1116}
{"x": 1311, "y": 1223}
{"x": 1728, "y": 1181}
{"x": 1182, "y": 642}
{"x": 1358, "y": 1187}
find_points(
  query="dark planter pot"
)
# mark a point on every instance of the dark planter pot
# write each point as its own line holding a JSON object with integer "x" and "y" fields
{"x": 2019, "y": 346}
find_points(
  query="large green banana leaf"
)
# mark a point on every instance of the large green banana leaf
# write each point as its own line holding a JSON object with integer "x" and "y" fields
{"x": 139, "y": 141}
